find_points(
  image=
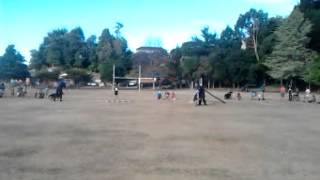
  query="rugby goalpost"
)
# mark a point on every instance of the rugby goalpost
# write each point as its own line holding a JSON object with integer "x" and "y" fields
{"x": 114, "y": 77}
{"x": 139, "y": 78}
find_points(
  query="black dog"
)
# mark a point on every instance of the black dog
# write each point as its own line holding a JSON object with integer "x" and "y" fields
{"x": 54, "y": 96}
{"x": 228, "y": 95}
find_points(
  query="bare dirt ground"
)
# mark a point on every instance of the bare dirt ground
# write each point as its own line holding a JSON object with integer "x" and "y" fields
{"x": 91, "y": 135}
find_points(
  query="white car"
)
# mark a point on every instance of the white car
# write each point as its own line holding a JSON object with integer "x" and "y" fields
{"x": 132, "y": 83}
{"x": 92, "y": 84}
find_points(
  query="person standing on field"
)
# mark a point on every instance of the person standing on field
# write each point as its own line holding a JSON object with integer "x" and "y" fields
{"x": 202, "y": 96}
{"x": 282, "y": 91}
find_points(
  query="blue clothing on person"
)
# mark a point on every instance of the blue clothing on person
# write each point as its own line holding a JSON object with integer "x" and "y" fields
{"x": 59, "y": 90}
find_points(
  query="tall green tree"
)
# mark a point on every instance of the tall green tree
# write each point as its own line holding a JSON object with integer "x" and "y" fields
{"x": 311, "y": 10}
{"x": 200, "y": 46}
{"x": 12, "y": 65}
{"x": 189, "y": 67}
{"x": 290, "y": 57}
{"x": 174, "y": 64}
{"x": 92, "y": 53}
{"x": 230, "y": 64}
{"x": 105, "y": 46}
{"x": 118, "y": 28}
{"x": 113, "y": 50}
{"x": 250, "y": 26}
{"x": 62, "y": 49}
{"x": 106, "y": 70}
{"x": 75, "y": 52}
{"x": 36, "y": 60}
{"x": 313, "y": 75}
{"x": 268, "y": 37}
{"x": 38, "y": 56}
{"x": 55, "y": 45}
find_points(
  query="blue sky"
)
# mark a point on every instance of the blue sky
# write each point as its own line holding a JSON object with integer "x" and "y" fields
{"x": 26, "y": 22}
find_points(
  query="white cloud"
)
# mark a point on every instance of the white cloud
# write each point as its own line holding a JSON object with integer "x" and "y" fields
{"x": 26, "y": 53}
{"x": 134, "y": 42}
{"x": 171, "y": 40}
{"x": 174, "y": 36}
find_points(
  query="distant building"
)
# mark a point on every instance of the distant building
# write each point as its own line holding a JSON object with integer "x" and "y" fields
{"x": 153, "y": 61}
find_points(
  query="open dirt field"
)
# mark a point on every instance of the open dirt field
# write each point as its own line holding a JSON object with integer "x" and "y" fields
{"x": 93, "y": 136}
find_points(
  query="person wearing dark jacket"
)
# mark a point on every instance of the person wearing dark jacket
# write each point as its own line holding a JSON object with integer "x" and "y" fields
{"x": 2, "y": 89}
{"x": 59, "y": 90}
{"x": 290, "y": 94}
{"x": 202, "y": 96}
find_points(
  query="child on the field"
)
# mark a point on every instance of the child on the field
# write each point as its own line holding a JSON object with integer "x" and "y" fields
{"x": 159, "y": 95}
{"x": 173, "y": 96}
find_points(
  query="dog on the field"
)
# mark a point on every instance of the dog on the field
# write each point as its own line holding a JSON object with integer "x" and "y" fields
{"x": 228, "y": 95}
{"x": 54, "y": 96}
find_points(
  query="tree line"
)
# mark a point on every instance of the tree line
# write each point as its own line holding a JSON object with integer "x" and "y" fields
{"x": 258, "y": 49}
{"x": 70, "y": 50}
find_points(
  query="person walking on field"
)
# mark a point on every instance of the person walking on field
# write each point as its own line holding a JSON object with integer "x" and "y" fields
{"x": 59, "y": 90}
{"x": 290, "y": 94}
{"x": 282, "y": 91}
{"x": 202, "y": 96}
{"x": 173, "y": 96}
{"x": 2, "y": 89}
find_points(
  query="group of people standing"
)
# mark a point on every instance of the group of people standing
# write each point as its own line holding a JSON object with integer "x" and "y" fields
{"x": 167, "y": 95}
{"x": 293, "y": 95}
{"x": 19, "y": 88}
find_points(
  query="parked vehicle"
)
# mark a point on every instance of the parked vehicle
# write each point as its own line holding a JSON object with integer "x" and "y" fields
{"x": 249, "y": 87}
{"x": 92, "y": 84}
